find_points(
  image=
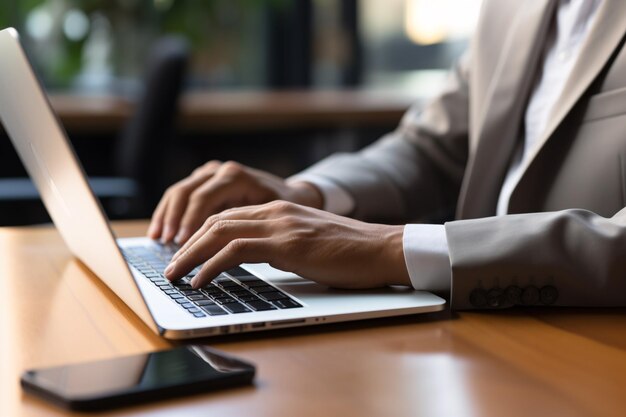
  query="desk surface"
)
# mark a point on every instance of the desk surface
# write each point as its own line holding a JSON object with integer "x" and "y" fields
{"x": 559, "y": 362}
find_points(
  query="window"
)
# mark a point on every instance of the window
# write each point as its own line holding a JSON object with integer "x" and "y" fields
{"x": 99, "y": 45}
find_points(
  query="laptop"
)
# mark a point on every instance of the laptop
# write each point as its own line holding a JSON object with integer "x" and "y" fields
{"x": 251, "y": 297}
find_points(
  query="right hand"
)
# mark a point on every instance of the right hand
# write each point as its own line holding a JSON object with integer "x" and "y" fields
{"x": 216, "y": 186}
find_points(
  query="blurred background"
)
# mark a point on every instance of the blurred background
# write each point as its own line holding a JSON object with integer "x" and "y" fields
{"x": 149, "y": 89}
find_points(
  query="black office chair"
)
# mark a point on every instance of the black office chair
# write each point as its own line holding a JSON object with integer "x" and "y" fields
{"x": 138, "y": 155}
{"x": 144, "y": 141}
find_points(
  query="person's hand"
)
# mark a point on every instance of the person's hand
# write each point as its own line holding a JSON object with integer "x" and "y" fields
{"x": 332, "y": 250}
{"x": 216, "y": 186}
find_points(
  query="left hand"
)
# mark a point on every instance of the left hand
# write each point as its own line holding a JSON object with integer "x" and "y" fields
{"x": 332, "y": 250}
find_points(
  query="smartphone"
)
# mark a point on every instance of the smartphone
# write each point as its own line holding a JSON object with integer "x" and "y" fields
{"x": 139, "y": 378}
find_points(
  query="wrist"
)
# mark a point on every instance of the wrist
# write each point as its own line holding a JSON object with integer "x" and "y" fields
{"x": 397, "y": 273}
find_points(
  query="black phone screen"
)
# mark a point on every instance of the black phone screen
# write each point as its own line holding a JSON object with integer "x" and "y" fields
{"x": 138, "y": 378}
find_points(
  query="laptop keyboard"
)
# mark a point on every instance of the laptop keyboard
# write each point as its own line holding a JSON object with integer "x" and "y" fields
{"x": 235, "y": 291}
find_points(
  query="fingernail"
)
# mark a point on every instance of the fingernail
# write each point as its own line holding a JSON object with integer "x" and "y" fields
{"x": 169, "y": 268}
{"x": 181, "y": 237}
{"x": 151, "y": 230}
{"x": 166, "y": 236}
{"x": 194, "y": 282}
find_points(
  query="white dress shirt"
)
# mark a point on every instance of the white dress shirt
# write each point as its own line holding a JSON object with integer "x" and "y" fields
{"x": 425, "y": 245}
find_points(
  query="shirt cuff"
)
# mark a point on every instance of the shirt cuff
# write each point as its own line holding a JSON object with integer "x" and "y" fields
{"x": 336, "y": 199}
{"x": 427, "y": 257}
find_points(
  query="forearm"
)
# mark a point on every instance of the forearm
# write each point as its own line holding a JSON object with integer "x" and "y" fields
{"x": 424, "y": 251}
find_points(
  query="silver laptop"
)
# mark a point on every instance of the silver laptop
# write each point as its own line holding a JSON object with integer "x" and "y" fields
{"x": 246, "y": 298}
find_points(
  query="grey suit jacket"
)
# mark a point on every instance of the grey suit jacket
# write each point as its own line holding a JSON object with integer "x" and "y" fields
{"x": 565, "y": 240}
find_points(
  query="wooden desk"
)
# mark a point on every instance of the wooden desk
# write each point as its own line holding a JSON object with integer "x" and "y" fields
{"x": 546, "y": 362}
{"x": 244, "y": 110}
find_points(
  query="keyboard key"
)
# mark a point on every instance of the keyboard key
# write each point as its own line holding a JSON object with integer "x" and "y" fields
{"x": 247, "y": 298}
{"x": 214, "y": 294}
{"x": 236, "y": 308}
{"x": 222, "y": 280}
{"x": 193, "y": 310}
{"x": 170, "y": 292}
{"x": 231, "y": 287}
{"x": 286, "y": 303}
{"x": 182, "y": 300}
{"x": 254, "y": 284}
{"x": 259, "y": 305}
{"x": 197, "y": 297}
{"x": 225, "y": 300}
{"x": 199, "y": 314}
{"x": 177, "y": 297}
{"x": 213, "y": 310}
{"x": 240, "y": 292}
{"x": 212, "y": 290}
{"x": 205, "y": 303}
{"x": 273, "y": 296}
{"x": 265, "y": 288}
{"x": 220, "y": 295}
{"x": 237, "y": 272}
{"x": 188, "y": 305}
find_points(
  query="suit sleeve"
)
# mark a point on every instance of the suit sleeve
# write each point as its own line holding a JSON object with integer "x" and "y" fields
{"x": 565, "y": 258}
{"x": 415, "y": 172}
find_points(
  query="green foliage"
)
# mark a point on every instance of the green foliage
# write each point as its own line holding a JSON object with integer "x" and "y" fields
{"x": 218, "y": 31}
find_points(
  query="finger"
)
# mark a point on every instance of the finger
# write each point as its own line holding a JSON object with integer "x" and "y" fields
{"x": 171, "y": 219}
{"x": 177, "y": 203}
{"x": 246, "y": 250}
{"x": 236, "y": 213}
{"x": 156, "y": 223}
{"x": 225, "y": 189}
{"x": 206, "y": 200}
{"x": 199, "y": 175}
{"x": 221, "y": 234}
{"x": 209, "y": 168}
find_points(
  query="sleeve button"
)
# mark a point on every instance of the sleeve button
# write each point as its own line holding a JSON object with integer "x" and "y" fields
{"x": 530, "y": 295}
{"x": 548, "y": 295}
{"x": 494, "y": 298}
{"x": 513, "y": 294}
